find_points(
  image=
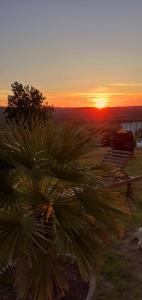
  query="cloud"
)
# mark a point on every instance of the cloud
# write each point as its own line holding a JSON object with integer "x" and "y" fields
{"x": 88, "y": 95}
{"x": 129, "y": 84}
{"x": 67, "y": 99}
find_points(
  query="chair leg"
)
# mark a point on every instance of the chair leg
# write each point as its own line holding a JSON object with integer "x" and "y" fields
{"x": 129, "y": 192}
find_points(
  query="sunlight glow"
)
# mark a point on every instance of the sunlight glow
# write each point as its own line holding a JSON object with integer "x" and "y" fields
{"x": 100, "y": 102}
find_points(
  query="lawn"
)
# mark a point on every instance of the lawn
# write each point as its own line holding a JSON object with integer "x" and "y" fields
{"x": 121, "y": 274}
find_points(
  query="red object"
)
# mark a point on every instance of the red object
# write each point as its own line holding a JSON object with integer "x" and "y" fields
{"x": 124, "y": 141}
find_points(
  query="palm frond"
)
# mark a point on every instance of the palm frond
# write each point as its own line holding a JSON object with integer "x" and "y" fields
{"x": 43, "y": 280}
{"x": 53, "y": 204}
{"x": 22, "y": 234}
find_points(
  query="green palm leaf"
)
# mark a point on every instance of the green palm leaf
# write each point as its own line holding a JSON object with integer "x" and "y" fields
{"x": 54, "y": 205}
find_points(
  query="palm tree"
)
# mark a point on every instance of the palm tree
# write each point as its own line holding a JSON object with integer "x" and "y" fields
{"x": 54, "y": 207}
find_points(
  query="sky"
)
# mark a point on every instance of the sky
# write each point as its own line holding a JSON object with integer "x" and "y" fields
{"x": 77, "y": 52}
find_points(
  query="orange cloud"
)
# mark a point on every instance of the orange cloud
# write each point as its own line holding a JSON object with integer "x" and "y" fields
{"x": 70, "y": 99}
{"x": 126, "y": 84}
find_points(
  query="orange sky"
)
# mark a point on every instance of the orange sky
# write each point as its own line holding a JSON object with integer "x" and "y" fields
{"x": 116, "y": 94}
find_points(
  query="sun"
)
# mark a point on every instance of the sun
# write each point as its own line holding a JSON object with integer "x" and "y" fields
{"x": 101, "y": 102}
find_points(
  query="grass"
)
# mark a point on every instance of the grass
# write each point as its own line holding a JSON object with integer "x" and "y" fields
{"x": 115, "y": 278}
{"x": 121, "y": 274}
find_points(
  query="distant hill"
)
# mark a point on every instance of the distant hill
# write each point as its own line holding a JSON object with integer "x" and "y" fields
{"x": 1, "y": 109}
{"x": 85, "y": 114}
{"x": 1, "y": 113}
{"x": 109, "y": 114}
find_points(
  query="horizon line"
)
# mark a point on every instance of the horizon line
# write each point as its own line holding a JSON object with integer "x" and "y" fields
{"x": 94, "y": 107}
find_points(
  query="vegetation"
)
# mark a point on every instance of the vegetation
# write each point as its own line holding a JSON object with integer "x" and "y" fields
{"x": 53, "y": 206}
{"x": 120, "y": 276}
{"x": 25, "y": 102}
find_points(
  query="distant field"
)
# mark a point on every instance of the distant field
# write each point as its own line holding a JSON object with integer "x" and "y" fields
{"x": 91, "y": 114}
{"x": 110, "y": 114}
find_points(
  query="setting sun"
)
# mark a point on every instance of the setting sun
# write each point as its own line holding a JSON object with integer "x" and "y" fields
{"x": 101, "y": 102}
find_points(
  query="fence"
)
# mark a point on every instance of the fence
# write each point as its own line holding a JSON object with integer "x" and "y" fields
{"x": 133, "y": 126}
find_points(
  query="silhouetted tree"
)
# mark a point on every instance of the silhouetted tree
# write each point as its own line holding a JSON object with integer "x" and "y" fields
{"x": 25, "y": 103}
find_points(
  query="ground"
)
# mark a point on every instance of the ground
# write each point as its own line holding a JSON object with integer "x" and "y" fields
{"x": 121, "y": 274}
